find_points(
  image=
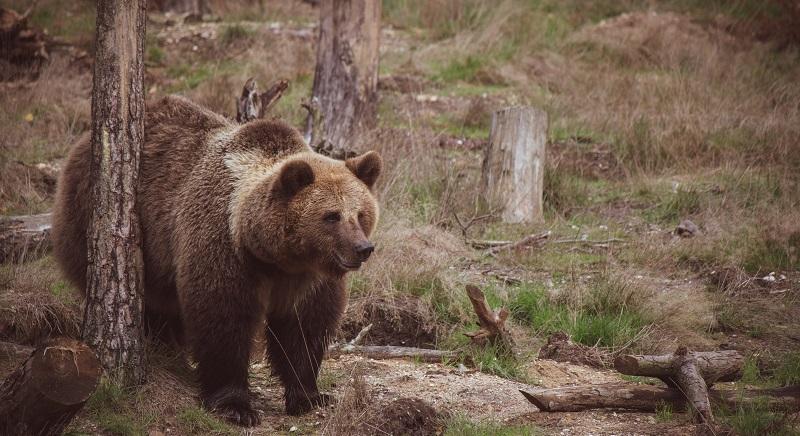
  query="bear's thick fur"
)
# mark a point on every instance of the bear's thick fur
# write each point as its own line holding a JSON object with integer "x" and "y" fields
{"x": 240, "y": 224}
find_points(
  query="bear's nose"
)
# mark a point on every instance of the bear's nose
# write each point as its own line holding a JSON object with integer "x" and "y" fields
{"x": 364, "y": 249}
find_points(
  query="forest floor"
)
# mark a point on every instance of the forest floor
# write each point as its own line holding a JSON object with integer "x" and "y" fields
{"x": 657, "y": 114}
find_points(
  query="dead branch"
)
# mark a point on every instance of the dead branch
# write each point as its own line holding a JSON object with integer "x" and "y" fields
{"x": 492, "y": 323}
{"x": 589, "y": 241}
{"x": 394, "y": 352}
{"x": 494, "y": 247}
{"x": 559, "y": 347}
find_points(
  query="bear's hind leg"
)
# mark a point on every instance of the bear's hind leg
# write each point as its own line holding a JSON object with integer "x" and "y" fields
{"x": 296, "y": 343}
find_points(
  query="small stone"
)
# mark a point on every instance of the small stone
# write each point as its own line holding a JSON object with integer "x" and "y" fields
{"x": 687, "y": 229}
{"x": 292, "y": 429}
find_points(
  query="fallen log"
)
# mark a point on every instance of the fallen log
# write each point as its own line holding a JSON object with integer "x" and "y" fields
{"x": 387, "y": 351}
{"x": 492, "y": 323}
{"x": 394, "y": 352}
{"x": 24, "y": 237}
{"x": 714, "y": 366}
{"x": 43, "y": 395}
{"x": 648, "y": 398}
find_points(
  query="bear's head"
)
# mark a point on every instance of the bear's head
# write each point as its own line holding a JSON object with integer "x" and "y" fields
{"x": 313, "y": 214}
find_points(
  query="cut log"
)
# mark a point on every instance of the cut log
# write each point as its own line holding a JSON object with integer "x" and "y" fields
{"x": 714, "y": 366}
{"x": 25, "y": 237}
{"x": 492, "y": 323}
{"x": 513, "y": 166}
{"x": 346, "y": 73}
{"x": 43, "y": 395}
{"x": 648, "y": 398}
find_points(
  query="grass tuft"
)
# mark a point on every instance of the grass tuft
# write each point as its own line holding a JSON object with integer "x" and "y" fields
{"x": 462, "y": 426}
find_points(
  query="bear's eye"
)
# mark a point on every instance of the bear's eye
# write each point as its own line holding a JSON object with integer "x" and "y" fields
{"x": 332, "y": 217}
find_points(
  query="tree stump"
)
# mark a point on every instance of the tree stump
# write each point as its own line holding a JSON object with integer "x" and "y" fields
{"x": 112, "y": 323}
{"x": 346, "y": 74}
{"x": 492, "y": 323}
{"x": 43, "y": 395}
{"x": 513, "y": 164}
{"x": 251, "y": 105}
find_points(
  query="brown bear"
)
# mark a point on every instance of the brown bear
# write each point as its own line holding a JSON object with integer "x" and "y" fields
{"x": 240, "y": 224}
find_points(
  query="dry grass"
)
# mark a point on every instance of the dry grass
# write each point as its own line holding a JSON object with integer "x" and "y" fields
{"x": 35, "y": 303}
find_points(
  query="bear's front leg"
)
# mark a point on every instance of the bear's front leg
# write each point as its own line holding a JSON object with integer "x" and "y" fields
{"x": 220, "y": 323}
{"x": 296, "y": 343}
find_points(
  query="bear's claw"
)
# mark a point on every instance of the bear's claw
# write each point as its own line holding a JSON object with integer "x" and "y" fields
{"x": 239, "y": 414}
{"x": 298, "y": 405}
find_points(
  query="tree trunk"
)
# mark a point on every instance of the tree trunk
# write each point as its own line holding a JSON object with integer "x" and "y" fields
{"x": 43, "y": 395}
{"x": 113, "y": 318}
{"x": 346, "y": 75}
{"x": 513, "y": 164}
{"x": 713, "y": 365}
{"x": 648, "y": 398}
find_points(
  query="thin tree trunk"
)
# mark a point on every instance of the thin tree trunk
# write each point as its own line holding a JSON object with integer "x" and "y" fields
{"x": 346, "y": 75}
{"x": 513, "y": 166}
{"x": 113, "y": 316}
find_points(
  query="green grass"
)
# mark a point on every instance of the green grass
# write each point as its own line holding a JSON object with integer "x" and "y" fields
{"x": 235, "y": 32}
{"x": 197, "y": 421}
{"x": 788, "y": 371}
{"x": 664, "y": 412}
{"x": 190, "y": 76}
{"x": 676, "y": 206}
{"x": 463, "y": 426}
{"x": 609, "y": 314}
{"x": 111, "y": 407}
{"x": 458, "y": 69}
{"x": 756, "y": 419}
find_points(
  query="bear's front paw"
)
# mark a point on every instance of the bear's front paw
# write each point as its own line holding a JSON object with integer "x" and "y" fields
{"x": 239, "y": 414}
{"x": 300, "y": 404}
{"x": 234, "y": 405}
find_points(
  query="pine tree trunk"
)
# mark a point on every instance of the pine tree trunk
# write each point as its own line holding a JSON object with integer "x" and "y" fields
{"x": 346, "y": 75}
{"x": 113, "y": 317}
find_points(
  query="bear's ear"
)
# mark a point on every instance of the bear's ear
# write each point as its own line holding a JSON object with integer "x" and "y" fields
{"x": 366, "y": 167}
{"x": 294, "y": 176}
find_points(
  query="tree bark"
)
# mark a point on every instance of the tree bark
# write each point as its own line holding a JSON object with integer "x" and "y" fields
{"x": 346, "y": 74}
{"x": 25, "y": 237}
{"x": 43, "y": 395}
{"x": 648, "y": 398}
{"x": 113, "y": 316}
{"x": 513, "y": 166}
